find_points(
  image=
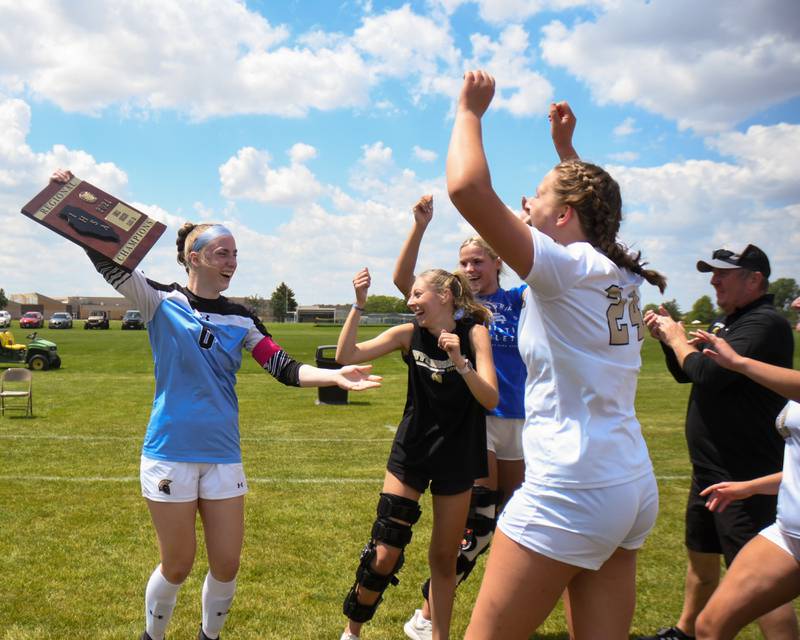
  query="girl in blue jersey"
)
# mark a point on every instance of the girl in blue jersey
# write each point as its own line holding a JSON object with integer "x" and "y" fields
{"x": 191, "y": 459}
{"x": 482, "y": 268}
{"x": 441, "y": 438}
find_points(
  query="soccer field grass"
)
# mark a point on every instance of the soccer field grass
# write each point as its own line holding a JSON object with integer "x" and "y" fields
{"x": 77, "y": 546}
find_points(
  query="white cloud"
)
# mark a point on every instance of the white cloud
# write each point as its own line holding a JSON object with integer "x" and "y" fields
{"x": 519, "y": 89}
{"x": 626, "y": 127}
{"x": 706, "y": 65}
{"x": 376, "y": 156}
{"x": 499, "y": 11}
{"x": 206, "y": 59}
{"x": 675, "y": 213}
{"x": 624, "y": 156}
{"x": 249, "y": 176}
{"x": 301, "y": 152}
{"x": 402, "y": 43}
{"x": 425, "y": 155}
{"x": 768, "y": 153}
{"x": 146, "y": 56}
{"x": 681, "y": 211}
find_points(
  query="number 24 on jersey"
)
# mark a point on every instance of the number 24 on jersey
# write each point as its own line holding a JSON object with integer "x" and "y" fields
{"x": 618, "y": 328}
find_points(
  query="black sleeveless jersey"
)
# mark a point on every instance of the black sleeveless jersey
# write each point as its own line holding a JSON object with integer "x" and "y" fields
{"x": 443, "y": 430}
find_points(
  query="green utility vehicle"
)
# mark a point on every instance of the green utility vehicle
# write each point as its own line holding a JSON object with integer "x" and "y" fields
{"x": 38, "y": 354}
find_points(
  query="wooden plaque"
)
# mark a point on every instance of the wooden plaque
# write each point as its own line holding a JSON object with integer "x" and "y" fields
{"x": 96, "y": 220}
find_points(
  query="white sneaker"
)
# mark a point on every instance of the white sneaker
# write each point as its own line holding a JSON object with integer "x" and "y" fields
{"x": 418, "y": 628}
{"x": 346, "y": 635}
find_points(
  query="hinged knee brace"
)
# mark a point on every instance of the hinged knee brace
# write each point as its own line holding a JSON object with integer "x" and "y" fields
{"x": 387, "y": 530}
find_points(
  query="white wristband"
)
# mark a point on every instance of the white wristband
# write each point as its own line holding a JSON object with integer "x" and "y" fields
{"x": 466, "y": 368}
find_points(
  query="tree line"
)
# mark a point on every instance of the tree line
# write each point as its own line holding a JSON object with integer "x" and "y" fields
{"x": 282, "y": 302}
{"x": 703, "y": 311}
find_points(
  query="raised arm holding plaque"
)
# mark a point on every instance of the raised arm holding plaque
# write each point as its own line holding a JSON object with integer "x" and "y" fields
{"x": 95, "y": 220}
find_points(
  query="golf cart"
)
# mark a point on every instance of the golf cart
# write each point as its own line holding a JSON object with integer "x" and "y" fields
{"x": 38, "y": 354}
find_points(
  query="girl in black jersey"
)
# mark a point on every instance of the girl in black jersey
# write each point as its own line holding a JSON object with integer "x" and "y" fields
{"x": 441, "y": 439}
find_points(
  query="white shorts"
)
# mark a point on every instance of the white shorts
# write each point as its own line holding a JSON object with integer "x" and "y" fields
{"x": 504, "y": 437}
{"x": 789, "y": 544}
{"x": 167, "y": 481}
{"x": 581, "y": 527}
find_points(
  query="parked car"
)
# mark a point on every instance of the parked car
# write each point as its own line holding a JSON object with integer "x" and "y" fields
{"x": 132, "y": 320}
{"x": 5, "y": 319}
{"x": 38, "y": 354}
{"x": 31, "y": 320}
{"x": 96, "y": 320}
{"x": 60, "y": 320}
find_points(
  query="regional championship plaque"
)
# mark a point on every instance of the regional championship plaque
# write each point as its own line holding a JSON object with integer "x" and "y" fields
{"x": 95, "y": 220}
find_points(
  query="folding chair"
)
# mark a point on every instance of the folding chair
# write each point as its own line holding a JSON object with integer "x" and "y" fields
{"x": 19, "y": 379}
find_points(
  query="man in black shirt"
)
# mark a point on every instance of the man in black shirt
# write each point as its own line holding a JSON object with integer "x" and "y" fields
{"x": 730, "y": 427}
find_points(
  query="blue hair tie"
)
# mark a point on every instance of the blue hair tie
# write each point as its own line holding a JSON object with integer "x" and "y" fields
{"x": 212, "y": 233}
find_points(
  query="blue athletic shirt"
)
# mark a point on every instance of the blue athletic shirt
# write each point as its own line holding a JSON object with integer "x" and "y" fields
{"x": 506, "y": 306}
{"x": 197, "y": 350}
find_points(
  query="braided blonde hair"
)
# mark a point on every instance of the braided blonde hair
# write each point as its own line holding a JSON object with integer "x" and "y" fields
{"x": 595, "y": 197}
{"x": 458, "y": 285}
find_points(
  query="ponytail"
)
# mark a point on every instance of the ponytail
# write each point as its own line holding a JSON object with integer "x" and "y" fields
{"x": 622, "y": 257}
{"x": 595, "y": 197}
{"x": 458, "y": 285}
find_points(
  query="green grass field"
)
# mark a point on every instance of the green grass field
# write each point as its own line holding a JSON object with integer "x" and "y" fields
{"x": 77, "y": 546}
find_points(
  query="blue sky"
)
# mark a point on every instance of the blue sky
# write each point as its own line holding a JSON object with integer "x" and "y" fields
{"x": 310, "y": 128}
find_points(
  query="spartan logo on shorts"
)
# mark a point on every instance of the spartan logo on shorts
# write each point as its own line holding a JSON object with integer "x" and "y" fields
{"x": 163, "y": 486}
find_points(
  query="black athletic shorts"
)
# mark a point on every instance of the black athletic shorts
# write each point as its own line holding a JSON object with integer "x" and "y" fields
{"x": 418, "y": 479}
{"x": 727, "y": 532}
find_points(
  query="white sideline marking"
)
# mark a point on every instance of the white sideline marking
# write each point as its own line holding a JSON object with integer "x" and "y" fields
{"x": 91, "y": 479}
{"x": 26, "y": 478}
{"x": 84, "y": 438}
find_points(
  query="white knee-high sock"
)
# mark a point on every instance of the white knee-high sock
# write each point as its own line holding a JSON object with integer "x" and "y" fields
{"x": 159, "y": 601}
{"x": 217, "y": 598}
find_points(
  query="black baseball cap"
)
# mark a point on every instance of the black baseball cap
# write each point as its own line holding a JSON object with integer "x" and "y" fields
{"x": 752, "y": 259}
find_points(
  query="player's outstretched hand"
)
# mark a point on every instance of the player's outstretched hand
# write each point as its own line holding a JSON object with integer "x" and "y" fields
{"x": 476, "y": 92}
{"x": 361, "y": 283}
{"x": 719, "y": 350}
{"x": 719, "y": 496}
{"x": 562, "y": 126}
{"x": 355, "y": 377}
{"x": 450, "y": 342}
{"x": 61, "y": 175}
{"x": 423, "y": 210}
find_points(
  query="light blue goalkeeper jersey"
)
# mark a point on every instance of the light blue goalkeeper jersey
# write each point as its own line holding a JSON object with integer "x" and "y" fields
{"x": 197, "y": 349}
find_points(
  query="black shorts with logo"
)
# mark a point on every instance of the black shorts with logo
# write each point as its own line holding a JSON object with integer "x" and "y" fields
{"x": 727, "y": 532}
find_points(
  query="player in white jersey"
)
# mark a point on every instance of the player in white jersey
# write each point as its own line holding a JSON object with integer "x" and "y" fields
{"x": 589, "y": 497}
{"x": 191, "y": 459}
{"x": 765, "y": 573}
